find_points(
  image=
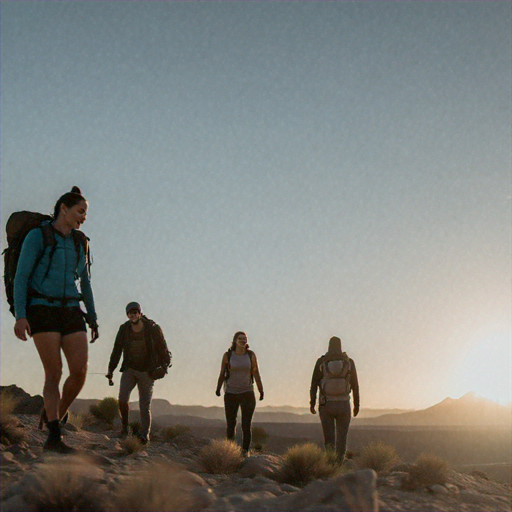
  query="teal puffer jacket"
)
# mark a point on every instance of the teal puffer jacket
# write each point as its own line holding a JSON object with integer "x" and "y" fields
{"x": 53, "y": 277}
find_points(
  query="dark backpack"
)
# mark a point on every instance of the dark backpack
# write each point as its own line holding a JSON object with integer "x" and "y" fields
{"x": 159, "y": 366}
{"x": 17, "y": 228}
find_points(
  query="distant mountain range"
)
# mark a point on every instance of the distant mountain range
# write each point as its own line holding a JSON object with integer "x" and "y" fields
{"x": 469, "y": 410}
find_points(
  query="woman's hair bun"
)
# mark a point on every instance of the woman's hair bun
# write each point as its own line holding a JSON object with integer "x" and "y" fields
{"x": 76, "y": 190}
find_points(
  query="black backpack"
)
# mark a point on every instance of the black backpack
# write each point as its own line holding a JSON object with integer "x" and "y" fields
{"x": 17, "y": 228}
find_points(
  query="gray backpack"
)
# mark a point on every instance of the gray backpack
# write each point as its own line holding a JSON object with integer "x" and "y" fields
{"x": 335, "y": 383}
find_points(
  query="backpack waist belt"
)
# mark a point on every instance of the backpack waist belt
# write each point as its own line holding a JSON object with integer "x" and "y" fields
{"x": 33, "y": 294}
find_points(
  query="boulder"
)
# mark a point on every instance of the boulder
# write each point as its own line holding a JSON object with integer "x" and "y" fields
{"x": 355, "y": 491}
{"x": 26, "y": 404}
{"x": 265, "y": 465}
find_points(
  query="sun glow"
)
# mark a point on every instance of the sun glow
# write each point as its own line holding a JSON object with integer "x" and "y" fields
{"x": 486, "y": 368}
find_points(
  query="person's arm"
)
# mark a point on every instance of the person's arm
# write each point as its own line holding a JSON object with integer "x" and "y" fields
{"x": 354, "y": 384}
{"x": 31, "y": 250}
{"x": 222, "y": 374}
{"x": 315, "y": 383}
{"x": 116, "y": 351}
{"x": 256, "y": 374}
{"x": 86, "y": 289}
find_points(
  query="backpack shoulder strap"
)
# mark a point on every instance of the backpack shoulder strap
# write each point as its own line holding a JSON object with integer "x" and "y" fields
{"x": 80, "y": 239}
{"x": 48, "y": 234}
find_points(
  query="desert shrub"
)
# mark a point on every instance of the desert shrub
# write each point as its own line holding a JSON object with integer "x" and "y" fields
{"x": 62, "y": 485}
{"x": 159, "y": 488}
{"x": 222, "y": 456}
{"x": 131, "y": 444}
{"x": 7, "y": 404}
{"x": 10, "y": 432}
{"x": 303, "y": 463}
{"x": 259, "y": 437}
{"x": 82, "y": 420}
{"x": 428, "y": 469}
{"x": 378, "y": 456}
{"x": 168, "y": 434}
{"x": 106, "y": 410}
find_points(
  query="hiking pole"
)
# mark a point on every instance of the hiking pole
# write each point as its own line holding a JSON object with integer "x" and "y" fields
{"x": 110, "y": 381}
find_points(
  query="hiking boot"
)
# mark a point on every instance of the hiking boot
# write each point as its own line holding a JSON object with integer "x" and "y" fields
{"x": 54, "y": 442}
{"x": 43, "y": 419}
{"x": 57, "y": 446}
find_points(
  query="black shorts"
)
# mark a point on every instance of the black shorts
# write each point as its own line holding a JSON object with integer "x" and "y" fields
{"x": 55, "y": 319}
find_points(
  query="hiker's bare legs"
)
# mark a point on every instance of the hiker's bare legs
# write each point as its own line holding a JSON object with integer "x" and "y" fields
{"x": 48, "y": 345}
{"x": 75, "y": 349}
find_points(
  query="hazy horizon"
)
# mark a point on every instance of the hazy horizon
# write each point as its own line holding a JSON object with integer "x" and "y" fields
{"x": 295, "y": 170}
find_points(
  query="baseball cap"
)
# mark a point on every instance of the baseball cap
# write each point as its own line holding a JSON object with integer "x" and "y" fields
{"x": 133, "y": 305}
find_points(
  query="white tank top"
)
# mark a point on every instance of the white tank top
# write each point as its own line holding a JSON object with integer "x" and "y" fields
{"x": 239, "y": 374}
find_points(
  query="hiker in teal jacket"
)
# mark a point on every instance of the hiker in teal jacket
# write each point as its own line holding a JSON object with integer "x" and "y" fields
{"x": 46, "y": 306}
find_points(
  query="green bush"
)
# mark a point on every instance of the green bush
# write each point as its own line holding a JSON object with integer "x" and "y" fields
{"x": 221, "y": 457}
{"x": 170, "y": 433}
{"x": 304, "y": 463}
{"x": 428, "y": 469}
{"x": 378, "y": 456}
{"x": 106, "y": 410}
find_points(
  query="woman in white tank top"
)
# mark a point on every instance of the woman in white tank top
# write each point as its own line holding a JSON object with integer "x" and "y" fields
{"x": 238, "y": 371}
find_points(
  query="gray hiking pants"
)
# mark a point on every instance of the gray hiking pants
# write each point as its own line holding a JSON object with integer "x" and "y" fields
{"x": 129, "y": 379}
{"x": 335, "y": 418}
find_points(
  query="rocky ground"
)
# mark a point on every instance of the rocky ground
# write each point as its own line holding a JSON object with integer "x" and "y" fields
{"x": 166, "y": 476}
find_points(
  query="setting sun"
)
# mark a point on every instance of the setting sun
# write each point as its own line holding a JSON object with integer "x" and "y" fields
{"x": 486, "y": 368}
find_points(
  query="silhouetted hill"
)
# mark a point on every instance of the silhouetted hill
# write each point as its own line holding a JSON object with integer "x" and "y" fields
{"x": 469, "y": 410}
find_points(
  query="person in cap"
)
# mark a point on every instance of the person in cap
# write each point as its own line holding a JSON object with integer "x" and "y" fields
{"x": 335, "y": 376}
{"x": 141, "y": 342}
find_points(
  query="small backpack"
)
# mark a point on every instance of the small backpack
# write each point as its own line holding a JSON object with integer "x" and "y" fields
{"x": 17, "y": 228}
{"x": 335, "y": 383}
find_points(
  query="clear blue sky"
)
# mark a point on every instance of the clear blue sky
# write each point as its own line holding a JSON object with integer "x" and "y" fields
{"x": 296, "y": 170}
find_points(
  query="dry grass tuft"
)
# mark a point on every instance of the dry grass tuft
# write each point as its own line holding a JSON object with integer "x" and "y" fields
{"x": 221, "y": 457}
{"x": 106, "y": 410}
{"x": 169, "y": 434}
{"x": 131, "y": 444}
{"x": 306, "y": 462}
{"x": 160, "y": 488}
{"x": 429, "y": 469}
{"x": 79, "y": 420}
{"x": 10, "y": 433}
{"x": 64, "y": 485}
{"x": 378, "y": 456}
